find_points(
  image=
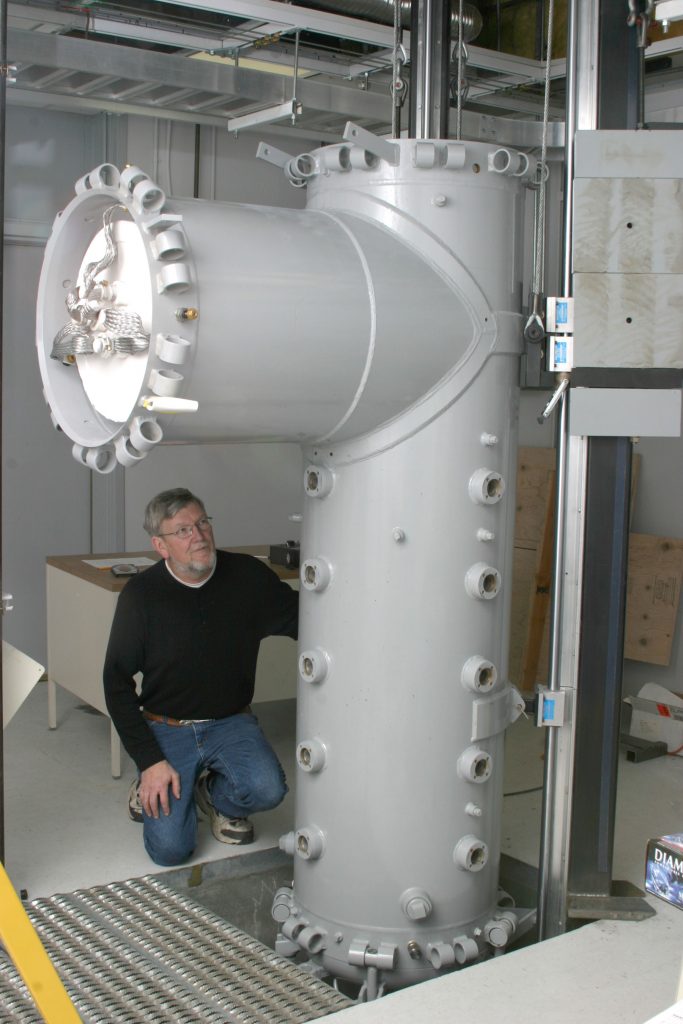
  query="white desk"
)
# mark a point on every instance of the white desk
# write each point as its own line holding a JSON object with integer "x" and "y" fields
{"x": 80, "y": 608}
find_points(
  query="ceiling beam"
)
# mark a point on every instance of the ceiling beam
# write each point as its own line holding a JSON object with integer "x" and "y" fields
{"x": 290, "y": 17}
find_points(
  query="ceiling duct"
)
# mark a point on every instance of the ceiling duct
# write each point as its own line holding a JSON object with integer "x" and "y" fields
{"x": 382, "y": 11}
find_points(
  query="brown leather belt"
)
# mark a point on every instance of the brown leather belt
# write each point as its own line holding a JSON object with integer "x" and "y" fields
{"x": 167, "y": 720}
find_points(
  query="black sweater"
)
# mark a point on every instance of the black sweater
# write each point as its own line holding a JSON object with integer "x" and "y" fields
{"x": 195, "y": 647}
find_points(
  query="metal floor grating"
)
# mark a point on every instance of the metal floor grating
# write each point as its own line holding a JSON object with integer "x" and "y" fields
{"x": 141, "y": 951}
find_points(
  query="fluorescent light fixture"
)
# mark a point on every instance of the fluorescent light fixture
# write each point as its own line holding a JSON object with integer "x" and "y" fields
{"x": 270, "y": 67}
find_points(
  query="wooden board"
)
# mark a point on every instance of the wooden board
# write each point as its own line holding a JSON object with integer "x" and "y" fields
{"x": 532, "y": 563}
{"x": 535, "y": 653}
{"x": 655, "y": 572}
{"x": 654, "y": 578}
{"x": 523, "y": 573}
{"x": 535, "y": 476}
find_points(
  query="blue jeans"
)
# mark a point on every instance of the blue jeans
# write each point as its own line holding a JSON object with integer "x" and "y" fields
{"x": 247, "y": 777}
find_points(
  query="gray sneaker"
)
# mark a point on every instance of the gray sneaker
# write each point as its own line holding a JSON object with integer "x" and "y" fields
{"x": 134, "y": 806}
{"x": 238, "y": 831}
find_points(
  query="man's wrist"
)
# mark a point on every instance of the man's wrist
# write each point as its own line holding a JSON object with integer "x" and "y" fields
{"x": 146, "y": 765}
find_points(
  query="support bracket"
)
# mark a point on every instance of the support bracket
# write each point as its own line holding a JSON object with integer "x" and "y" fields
{"x": 380, "y": 148}
{"x": 625, "y": 903}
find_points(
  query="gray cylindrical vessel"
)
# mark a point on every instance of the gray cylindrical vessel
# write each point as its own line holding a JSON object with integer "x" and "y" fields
{"x": 380, "y": 328}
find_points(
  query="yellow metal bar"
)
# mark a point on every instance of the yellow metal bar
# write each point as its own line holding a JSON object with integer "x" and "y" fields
{"x": 21, "y": 941}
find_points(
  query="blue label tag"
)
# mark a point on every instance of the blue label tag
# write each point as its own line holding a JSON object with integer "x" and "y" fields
{"x": 561, "y": 313}
{"x": 560, "y": 352}
{"x": 548, "y": 710}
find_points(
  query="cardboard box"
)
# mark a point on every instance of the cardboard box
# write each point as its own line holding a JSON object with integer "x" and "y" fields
{"x": 657, "y": 716}
{"x": 664, "y": 869}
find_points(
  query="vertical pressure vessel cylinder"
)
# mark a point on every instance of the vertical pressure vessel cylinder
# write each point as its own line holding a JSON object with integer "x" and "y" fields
{"x": 406, "y": 567}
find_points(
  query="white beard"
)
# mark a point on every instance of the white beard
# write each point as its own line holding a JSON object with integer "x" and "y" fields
{"x": 197, "y": 569}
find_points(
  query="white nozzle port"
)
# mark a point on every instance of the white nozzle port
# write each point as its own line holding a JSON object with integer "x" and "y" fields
{"x": 486, "y": 487}
{"x": 311, "y": 755}
{"x": 482, "y": 581}
{"x": 316, "y": 573}
{"x": 471, "y": 854}
{"x": 475, "y": 765}
{"x": 479, "y": 674}
{"x": 314, "y": 665}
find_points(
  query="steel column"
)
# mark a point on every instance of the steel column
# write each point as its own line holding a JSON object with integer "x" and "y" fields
{"x": 600, "y": 665}
{"x": 591, "y": 557}
{"x": 571, "y": 460}
{"x": 599, "y": 681}
{"x": 430, "y": 59}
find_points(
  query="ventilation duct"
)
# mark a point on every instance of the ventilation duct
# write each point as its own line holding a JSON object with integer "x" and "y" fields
{"x": 382, "y": 11}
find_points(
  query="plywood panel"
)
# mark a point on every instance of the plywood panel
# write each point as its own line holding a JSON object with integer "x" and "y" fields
{"x": 523, "y": 574}
{"x": 655, "y": 576}
{"x": 530, "y": 587}
{"x": 655, "y": 571}
{"x": 535, "y": 472}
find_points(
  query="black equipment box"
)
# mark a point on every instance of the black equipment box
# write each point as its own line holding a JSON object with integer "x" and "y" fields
{"x": 286, "y": 554}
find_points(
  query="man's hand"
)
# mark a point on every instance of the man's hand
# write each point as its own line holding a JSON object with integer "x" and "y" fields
{"x": 154, "y": 784}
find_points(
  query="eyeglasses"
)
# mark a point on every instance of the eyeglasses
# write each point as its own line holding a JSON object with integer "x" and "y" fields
{"x": 185, "y": 532}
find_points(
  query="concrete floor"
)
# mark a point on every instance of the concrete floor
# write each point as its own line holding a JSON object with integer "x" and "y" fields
{"x": 67, "y": 828}
{"x": 67, "y": 825}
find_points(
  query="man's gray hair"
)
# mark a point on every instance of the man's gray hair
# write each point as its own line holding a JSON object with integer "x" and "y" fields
{"x": 166, "y": 505}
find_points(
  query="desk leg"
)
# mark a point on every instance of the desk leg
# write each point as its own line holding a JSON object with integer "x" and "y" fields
{"x": 115, "y": 752}
{"x": 51, "y": 704}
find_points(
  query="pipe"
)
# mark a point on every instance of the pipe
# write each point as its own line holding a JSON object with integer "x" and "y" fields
{"x": 372, "y": 986}
{"x": 197, "y": 158}
{"x": 551, "y": 821}
{"x": 569, "y": 133}
{"x": 568, "y": 213}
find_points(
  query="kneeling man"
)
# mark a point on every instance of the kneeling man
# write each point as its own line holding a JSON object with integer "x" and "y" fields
{"x": 192, "y": 625}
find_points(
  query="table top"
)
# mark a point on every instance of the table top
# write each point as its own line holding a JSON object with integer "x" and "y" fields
{"x": 76, "y": 565}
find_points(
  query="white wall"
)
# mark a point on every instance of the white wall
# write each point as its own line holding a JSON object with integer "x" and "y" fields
{"x": 228, "y": 168}
{"x": 45, "y": 496}
{"x": 249, "y": 489}
{"x": 659, "y": 510}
